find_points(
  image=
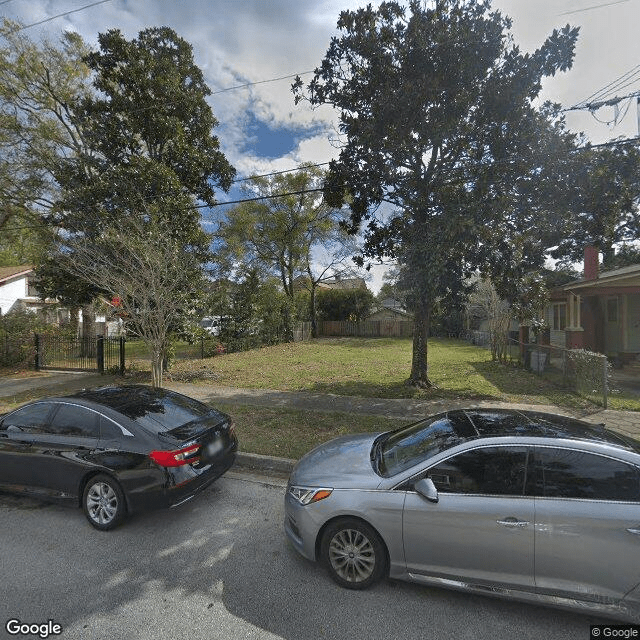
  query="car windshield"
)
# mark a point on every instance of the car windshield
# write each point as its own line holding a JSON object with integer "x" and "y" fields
{"x": 400, "y": 450}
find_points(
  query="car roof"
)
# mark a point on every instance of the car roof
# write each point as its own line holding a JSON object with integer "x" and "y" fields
{"x": 487, "y": 423}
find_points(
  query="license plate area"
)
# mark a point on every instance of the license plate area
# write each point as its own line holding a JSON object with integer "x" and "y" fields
{"x": 213, "y": 448}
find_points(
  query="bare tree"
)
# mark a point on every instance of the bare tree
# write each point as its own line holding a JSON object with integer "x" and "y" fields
{"x": 149, "y": 273}
{"x": 498, "y": 313}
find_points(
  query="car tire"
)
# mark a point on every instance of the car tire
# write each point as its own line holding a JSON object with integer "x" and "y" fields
{"x": 103, "y": 502}
{"x": 353, "y": 553}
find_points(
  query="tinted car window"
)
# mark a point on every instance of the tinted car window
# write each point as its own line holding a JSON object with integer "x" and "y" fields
{"x": 565, "y": 473}
{"x": 167, "y": 413}
{"x": 109, "y": 430}
{"x": 72, "y": 420}
{"x": 407, "y": 447}
{"x": 490, "y": 470}
{"x": 31, "y": 418}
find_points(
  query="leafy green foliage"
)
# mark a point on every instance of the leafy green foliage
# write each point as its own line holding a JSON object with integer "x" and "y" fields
{"x": 38, "y": 81}
{"x": 437, "y": 117}
{"x": 17, "y": 342}
{"x": 255, "y": 312}
{"x": 625, "y": 256}
{"x": 127, "y": 205}
{"x": 602, "y": 199}
{"x": 282, "y": 235}
{"x": 344, "y": 304}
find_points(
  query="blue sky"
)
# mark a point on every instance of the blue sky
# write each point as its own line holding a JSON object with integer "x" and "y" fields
{"x": 246, "y": 41}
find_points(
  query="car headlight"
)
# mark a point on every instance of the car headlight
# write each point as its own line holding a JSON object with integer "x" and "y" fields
{"x": 305, "y": 495}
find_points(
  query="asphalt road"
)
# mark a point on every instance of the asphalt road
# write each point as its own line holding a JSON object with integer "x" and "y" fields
{"x": 220, "y": 567}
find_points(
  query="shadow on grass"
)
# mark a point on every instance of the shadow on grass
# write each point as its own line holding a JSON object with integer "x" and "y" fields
{"x": 401, "y": 390}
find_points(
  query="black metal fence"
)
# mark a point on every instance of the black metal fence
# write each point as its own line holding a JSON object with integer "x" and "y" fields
{"x": 80, "y": 354}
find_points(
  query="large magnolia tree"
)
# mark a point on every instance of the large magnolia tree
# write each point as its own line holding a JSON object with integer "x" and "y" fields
{"x": 440, "y": 119}
{"x": 148, "y": 161}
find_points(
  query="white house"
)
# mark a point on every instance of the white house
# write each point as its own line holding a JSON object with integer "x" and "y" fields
{"x": 17, "y": 293}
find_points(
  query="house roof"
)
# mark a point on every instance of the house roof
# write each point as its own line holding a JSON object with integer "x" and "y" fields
{"x": 343, "y": 283}
{"x": 623, "y": 277}
{"x": 6, "y": 273}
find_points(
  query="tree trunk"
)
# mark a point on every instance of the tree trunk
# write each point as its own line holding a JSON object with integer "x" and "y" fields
{"x": 74, "y": 320}
{"x": 157, "y": 362}
{"x": 88, "y": 348}
{"x": 313, "y": 313}
{"x": 419, "y": 367}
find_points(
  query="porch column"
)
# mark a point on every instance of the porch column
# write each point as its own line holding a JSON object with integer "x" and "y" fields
{"x": 574, "y": 332}
{"x": 624, "y": 324}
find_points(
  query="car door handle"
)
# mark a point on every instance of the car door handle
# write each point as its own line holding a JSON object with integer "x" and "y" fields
{"x": 512, "y": 523}
{"x": 634, "y": 530}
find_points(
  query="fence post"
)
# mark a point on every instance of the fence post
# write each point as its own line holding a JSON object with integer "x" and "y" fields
{"x": 100, "y": 354}
{"x": 37, "y": 358}
{"x": 122, "y": 356}
{"x": 202, "y": 347}
{"x": 605, "y": 381}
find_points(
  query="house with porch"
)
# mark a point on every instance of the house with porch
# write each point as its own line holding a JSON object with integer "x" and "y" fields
{"x": 599, "y": 312}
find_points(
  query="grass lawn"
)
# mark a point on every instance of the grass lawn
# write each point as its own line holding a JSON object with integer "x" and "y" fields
{"x": 290, "y": 433}
{"x": 378, "y": 367}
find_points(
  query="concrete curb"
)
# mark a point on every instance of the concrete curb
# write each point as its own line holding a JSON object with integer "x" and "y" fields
{"x": 264, "y": 463}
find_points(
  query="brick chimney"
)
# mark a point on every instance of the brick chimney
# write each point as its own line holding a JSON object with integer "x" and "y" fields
{"x": 591, "y": 263}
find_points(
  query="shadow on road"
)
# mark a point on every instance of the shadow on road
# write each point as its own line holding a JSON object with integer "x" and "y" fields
{"x": 219, "y": 567}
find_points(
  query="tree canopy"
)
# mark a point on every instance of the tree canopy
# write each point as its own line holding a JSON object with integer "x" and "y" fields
{"x": 148, "y": 158}
{"x": 603, "y": 198}
{"x": 37, "y": 83}
{"x": 438, "y": 119}
{"x": 283, "y": 235}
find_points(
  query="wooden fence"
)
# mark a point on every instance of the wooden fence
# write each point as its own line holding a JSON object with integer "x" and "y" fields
{"x": 364, "y": 329}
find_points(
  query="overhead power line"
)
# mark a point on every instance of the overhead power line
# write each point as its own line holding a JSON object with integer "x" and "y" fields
{"x": 592, "y": 106}
{"x": 612, "y": 143}
{"x": 251, "y": 84}
{"x": 60, "y": 15}
{"x": 624, "y": 80}
{"x": 596, "y": 6}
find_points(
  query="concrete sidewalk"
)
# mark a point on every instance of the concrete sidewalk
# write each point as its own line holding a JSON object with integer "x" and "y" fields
{"x": 52, "y": 382}
{"x": 627, "y": 422}
{"x": 405, "y": 409}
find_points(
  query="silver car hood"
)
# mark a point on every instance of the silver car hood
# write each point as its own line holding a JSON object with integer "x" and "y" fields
{"x": 343, "y": 463}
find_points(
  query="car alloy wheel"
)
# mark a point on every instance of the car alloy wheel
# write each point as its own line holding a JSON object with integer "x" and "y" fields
{"x": 103, "y": 502}
{"x": 353, "y": 554}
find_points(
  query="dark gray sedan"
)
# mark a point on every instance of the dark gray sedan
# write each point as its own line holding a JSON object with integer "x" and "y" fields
{"x": 519, "y": 504}
{"x": 115, "y": 450}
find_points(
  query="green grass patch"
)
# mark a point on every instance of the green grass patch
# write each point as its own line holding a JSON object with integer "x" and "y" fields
{"x": 378, "y": 367}
{"x": 290, "y": 433}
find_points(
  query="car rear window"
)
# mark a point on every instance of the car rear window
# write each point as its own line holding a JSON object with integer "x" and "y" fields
{"x": 167, "y": 413}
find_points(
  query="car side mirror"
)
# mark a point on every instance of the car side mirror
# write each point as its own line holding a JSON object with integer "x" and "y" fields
{"x": 427, "y": 489}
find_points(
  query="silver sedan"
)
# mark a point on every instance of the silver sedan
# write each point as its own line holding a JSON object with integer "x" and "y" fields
{"x": 518, "y": 504}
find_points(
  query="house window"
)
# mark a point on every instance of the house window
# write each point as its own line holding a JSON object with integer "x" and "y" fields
{"x": 559, "y": 316}
{"x": 612, "y": 309}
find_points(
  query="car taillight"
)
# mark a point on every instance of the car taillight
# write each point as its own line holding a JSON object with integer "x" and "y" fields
{"x": 232, "y": 430}
{"x": 176, "y": 458}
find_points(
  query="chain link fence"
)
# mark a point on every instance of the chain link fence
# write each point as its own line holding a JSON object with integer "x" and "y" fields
{"x": 585, "y": 372}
